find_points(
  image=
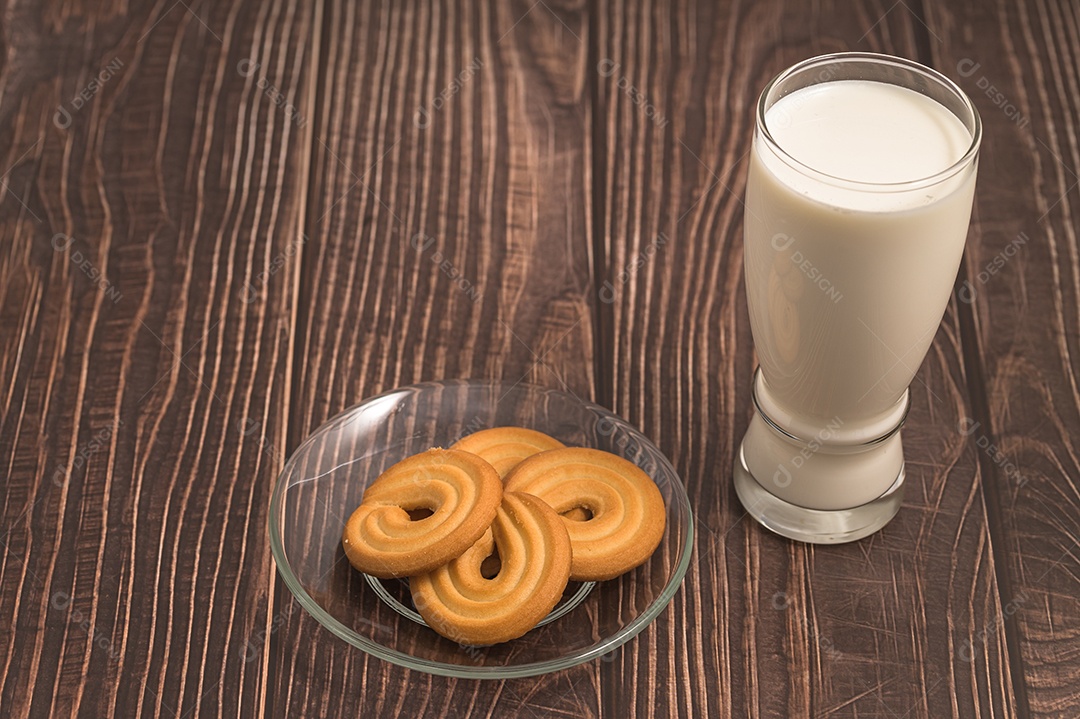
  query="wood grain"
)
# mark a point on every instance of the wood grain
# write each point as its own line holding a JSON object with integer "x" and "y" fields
{"x": 147, "y": 183}
{"x": 224, "y": 223}
{"x": 764, "y": 626}
{"x": 1019, "y": 63}
{"x": 449, "y": 238}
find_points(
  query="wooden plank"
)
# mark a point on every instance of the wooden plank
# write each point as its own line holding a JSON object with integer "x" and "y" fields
{"x": 764, "y": 626}
{"x": 1019, "y": 64}
{"x": 151, "y": 184}
{"x": 449, "y": 239}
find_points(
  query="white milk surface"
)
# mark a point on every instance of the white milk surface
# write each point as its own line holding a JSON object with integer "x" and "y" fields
{"x": 847, "y": 282}
{"x": 867, "y": 131}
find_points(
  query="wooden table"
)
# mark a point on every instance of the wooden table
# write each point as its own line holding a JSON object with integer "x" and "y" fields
{"x": 224, "y": 222}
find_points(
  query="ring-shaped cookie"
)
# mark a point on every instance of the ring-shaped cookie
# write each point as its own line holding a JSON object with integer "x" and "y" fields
{"x": 459, "y": 603}
{"x": 505, "y": 447}
{"x": 628, "y": 514}
{"x": 461, "y": 491}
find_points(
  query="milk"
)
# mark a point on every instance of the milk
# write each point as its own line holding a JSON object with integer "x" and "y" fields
{"x": 847, "y": 281}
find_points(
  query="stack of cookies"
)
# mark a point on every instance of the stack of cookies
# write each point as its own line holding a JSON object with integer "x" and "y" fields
{"x": 490, "y": 531}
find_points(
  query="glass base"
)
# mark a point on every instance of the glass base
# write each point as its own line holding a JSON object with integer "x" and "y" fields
{"x": 815, "y": 526}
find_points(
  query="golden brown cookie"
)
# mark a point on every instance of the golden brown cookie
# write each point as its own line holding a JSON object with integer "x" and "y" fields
{"x": 628, "y": 514}
{"x": 576, "y": 514}
{"x": 504, "y": 447}
{"x": 459, "y": 603}
{"x": 461, "y": 491}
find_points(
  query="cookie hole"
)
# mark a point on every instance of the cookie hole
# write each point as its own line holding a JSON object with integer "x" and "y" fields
{"x": 489, "y": 568}
{"x": 419, "y": 513}
{"x": 578, "y": 514}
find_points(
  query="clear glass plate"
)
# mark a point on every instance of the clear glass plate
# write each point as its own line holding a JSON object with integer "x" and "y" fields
{"x": 324, "y": 479}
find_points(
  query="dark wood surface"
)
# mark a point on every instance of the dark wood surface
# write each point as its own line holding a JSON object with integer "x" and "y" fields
{"x": 210, "y": 217}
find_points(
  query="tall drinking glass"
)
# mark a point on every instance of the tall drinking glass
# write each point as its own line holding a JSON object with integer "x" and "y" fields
{"x": 861, "y": 180}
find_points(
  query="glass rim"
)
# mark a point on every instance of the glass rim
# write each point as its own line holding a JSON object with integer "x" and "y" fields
{"x": 967, "y": 159}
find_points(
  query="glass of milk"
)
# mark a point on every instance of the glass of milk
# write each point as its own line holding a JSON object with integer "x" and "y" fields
{"x": 861, "y": 179}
